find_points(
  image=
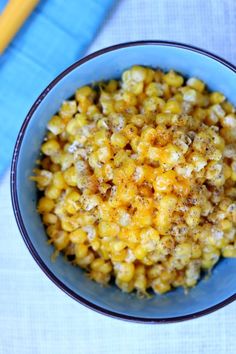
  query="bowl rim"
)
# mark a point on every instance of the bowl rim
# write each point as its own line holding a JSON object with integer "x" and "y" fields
{"x": 14, "y": 193}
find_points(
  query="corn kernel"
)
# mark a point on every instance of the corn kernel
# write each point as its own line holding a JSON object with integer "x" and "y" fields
{"x": 164, "y": 183}
{"x": 51, "y": 147}
{"x": 118, "y": 140}
{"x": 216, "y": 97}
{"x": 125, "y": 271}
{"x": 78, "y": 236}
{"x": 172, "y": 107}
{"x": 173, "y": 79}
{"x": 45, "y": 205}
{"x": 193, "y": 216}
{"x": 106, "y": 229}
{"x": 196, "y": 84}
{"x": 56, "y": 125}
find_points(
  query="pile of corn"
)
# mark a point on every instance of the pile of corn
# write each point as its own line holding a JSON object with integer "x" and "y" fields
{"x": 138, "y": 180}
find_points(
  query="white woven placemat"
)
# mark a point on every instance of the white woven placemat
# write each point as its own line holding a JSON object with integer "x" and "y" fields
{"x": 35, "y": 316}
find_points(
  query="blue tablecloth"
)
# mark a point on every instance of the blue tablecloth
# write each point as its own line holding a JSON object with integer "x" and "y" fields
{"x": 55, "y": 35}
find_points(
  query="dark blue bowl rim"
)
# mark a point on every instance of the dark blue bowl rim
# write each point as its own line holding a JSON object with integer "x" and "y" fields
{"x": 14, "y": 193}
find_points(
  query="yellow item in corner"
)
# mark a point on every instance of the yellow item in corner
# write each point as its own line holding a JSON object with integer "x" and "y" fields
{"x": 12, "y": 18}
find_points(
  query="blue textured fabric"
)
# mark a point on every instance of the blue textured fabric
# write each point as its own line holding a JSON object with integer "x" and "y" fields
{"x": 55, "y": 35}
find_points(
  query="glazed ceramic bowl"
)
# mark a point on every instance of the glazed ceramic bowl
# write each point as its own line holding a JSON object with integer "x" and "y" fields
{"x": 208, "y": 295}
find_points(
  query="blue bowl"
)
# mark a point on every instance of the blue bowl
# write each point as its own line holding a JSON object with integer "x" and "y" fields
{"x": 208, "y": 295}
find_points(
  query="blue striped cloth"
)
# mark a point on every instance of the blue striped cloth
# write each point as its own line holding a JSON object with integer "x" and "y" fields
{"x": 56, "y": 34}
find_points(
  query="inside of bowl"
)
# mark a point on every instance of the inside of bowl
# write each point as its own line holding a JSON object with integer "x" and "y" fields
{"x": 208, "y": 292}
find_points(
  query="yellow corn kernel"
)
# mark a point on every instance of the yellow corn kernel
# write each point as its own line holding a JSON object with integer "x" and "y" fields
{"x": 125, "y": 194}
{"x": 86, "y": 261}
{"x": 128, "y": 167}
{"x": 118, "y": 256}
{"x": 83, "y": 92}
{"x": 171, "y": 155}
{"x": 56, "y": 125}
{"x": 52, "y": 192}
{"x": 228, "y": 121}
{"x": 127, "y": 287}
{"x": 99, "y": 277}
{"x": 142, "y": 149}
{"x": 136, "y": 74}
{"x": 172, "y": 107}
{"x": 138, "y": 120}
{"x": 213, "y": 170}
{"x": 153, "y": 153}
{"x": 93, "y": 111}
{"x": 52, "y": 231}
{"x": 74, "y": 125}
{"x": 118, "y": 140}
{"x": 104, "y": 154}
{"x": 68, "y": 109}
{"x": 71, "y": 203}
{"x": 173, "y": 79}
{"x": 81, "y": 250}
{"x": 78, "y": 236}
{"x": 182, "y": 186}
{"x": 160, "y": 287}
{"x": 190, "y": 95}
{"x": 66, "y": 160}
{"x": 95, "y": 244}
{"x": 166, "y": 244}
{"x": 101, "y": 266}
{"x": 70, "y": 176}
{"x": 164, "y": 183}
{"x": 100, "y": 138}
{"x": 106, "y": 229}
{"x": 135, "y": 143}
{"x": 228, "y": 107}
{"x": 62, "y": 240}
{"x": 149, "y": 238}
{"x": 153, "y": 104}
{"x": 143, "y": 217}
{"x": 216, "y": 97}
{"x": 229, "y": 135}
{"x": 45, "y": 205}
{"x": 192, "y": 216}
{"x": 196, "y": 251}
{"x": 210, "y": 258}
{"x": 163, "y": 217}
{"x": 43, "y": 178}
{"x": 229, "y": 251}
{"x": 154, "y": 89}
{"x": 50, "y": 147}
{"x": 69, "y": 224}
{"x": 148, "y": 135}
{"x": 117, "y": 246}
{"x": 58, "y": 180}
{"x": 102, "y": 124}
{"x": 198, "y": 161}
{"x": 140, "y": 252}
{"x": 150, "y": 73}
{"x": 183, "y": 252}
{"x": 125, "y": 271}
{"x": 168, "y": 203}
{"x": 226, "y": 225}
{"x": 49, "y": 219}
{"x": 112, "y": 86}
{"x": 196, "y": 84}
{"x": 140, "y": 283}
